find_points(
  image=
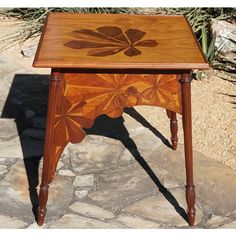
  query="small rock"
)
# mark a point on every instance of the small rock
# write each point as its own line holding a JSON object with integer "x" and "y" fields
{"x": 3, "y": 169}
{"x": 231, "y": 225}
{"x": 11, "y": 223}
{"x": 84, "y": 181}
{"x": 66, "y": 173}
{"x": 72, "y": 221}
{"x": 91, "y": 211}
{"x": 29, "y": 51}
{"x": 29, "y": 114}
{"x": 135, "y": 222}
{"x": 81, "y": 194}
{"x": 34, "y": 133}
{"x": 170, "y": 183}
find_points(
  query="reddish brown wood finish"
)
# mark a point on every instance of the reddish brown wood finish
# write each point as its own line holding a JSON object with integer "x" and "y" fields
{"x": 173, "y": 128}
{"x": 111, "y": 62}
{"x": 77, "y": 99}
{"x": 83, "y": 97}
{"x": 49, "y": 148}
{"x": 187, "y": 126}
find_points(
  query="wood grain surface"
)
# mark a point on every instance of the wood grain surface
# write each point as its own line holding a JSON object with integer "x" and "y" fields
{"x": 108, "y": 41}
{"x": 86, "y": 96}
{"x": 79, "y": 99}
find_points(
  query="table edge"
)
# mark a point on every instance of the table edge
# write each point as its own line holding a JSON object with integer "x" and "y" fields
{"x": 166, "y": 66}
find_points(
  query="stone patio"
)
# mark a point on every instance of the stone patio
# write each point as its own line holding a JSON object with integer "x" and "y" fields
{"x": 122, "y": 175}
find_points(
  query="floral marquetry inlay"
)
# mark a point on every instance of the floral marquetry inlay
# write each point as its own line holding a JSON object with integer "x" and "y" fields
{"x": 109, "y": 40}
{"x": 86, "y": 96}
{"x": 83, "y": 97}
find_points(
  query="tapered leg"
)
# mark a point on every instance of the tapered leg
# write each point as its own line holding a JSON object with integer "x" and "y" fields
{"x": 49, "y": 148}
{"x": 187, "y": 126}
{"x": 173, "y": 128}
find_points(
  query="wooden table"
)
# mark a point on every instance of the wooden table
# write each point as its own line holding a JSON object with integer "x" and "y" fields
{"x": 104, "y": 63}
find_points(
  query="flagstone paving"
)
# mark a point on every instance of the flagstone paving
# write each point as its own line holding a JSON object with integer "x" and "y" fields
{"x": 121, "y": 175}
{"x": 120, "y": 189}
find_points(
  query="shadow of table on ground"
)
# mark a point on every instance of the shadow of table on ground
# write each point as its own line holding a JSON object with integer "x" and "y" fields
{"x": 27, "y": 104}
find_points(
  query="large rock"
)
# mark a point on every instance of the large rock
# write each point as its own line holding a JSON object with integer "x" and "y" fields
{"x": 118, "y": 188}
{"x": 11, "y": 148}
{"x": 163, "y": 209}
{"x": 225, "y": 32}
{"x": 146, "y": 141}
{"x": 95, "y": 154}
{"x": 80, "y": 194}
{"x": 68, "y": 173}
{"x": 84, "y": 181}
{"x": 15, "y": 200}
{"x": 231, "y": 225}
{"x": 3, "y": 169}
{"x": 90, "y": 210}
{"x": 72, "y": 221}
{"x": 8, "y": 129}
{"x": 11, "y": 223}
{"x": 135, "y": 222}
{"x": 215, "y": 221}
{"x": 214, "y": 182}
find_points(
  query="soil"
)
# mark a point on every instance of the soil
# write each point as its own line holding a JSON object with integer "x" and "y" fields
{"x": 213, "y": 117}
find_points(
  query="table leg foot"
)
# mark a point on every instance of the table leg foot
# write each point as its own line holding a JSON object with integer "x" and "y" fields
{"x": 41, "y": 216}
{"x": 190, "y": 197}
{"x": 43, "y": 197}
{"x": 173, "y": 128}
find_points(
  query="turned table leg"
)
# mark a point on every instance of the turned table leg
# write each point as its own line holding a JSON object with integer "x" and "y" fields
{"x": 173, "y": 128}
{"x": 49, "y": 148}
{"x": 187, "y": 127}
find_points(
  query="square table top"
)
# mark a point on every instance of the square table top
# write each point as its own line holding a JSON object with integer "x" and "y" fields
{"x": 118, "y": 41}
